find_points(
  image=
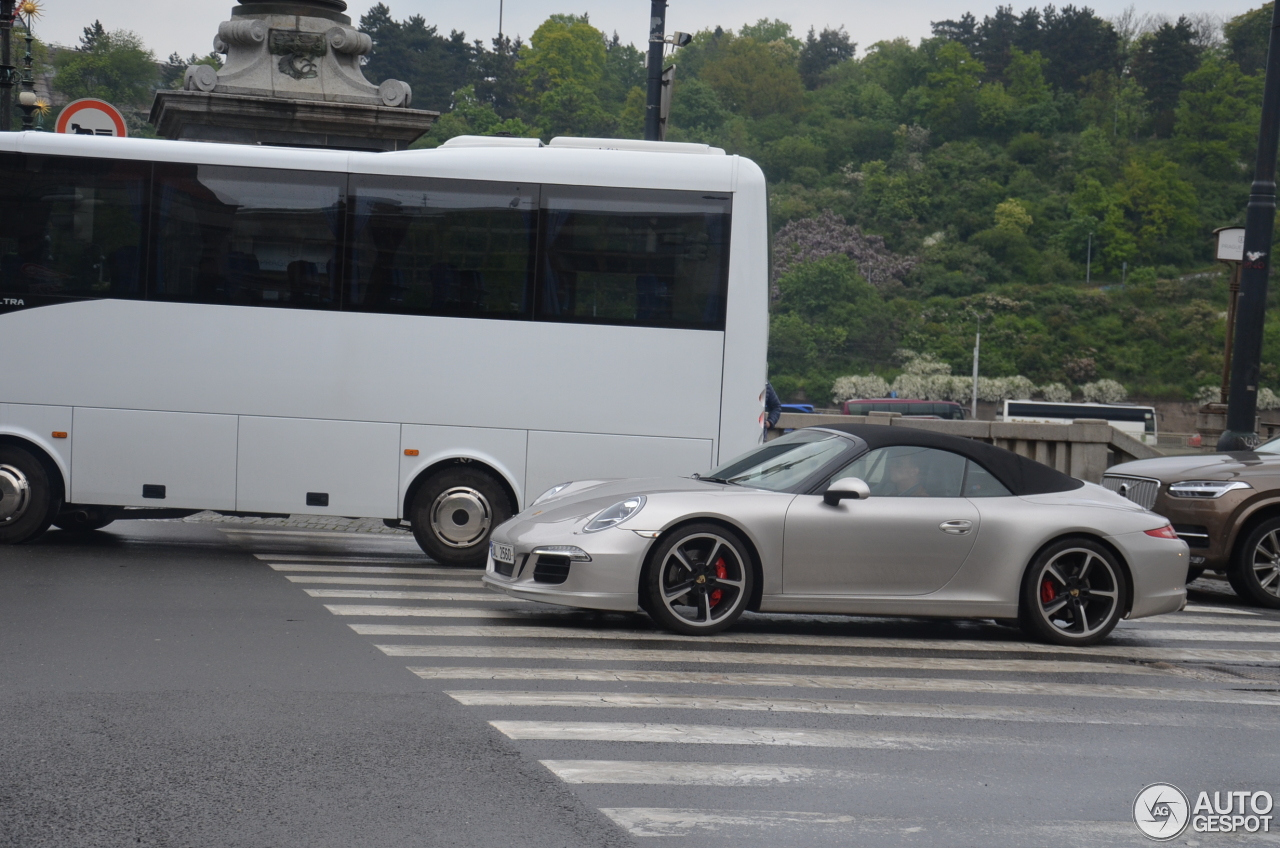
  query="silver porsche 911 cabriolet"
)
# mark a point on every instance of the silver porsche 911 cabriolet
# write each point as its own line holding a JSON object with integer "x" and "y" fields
{"x": 854, "y": 519}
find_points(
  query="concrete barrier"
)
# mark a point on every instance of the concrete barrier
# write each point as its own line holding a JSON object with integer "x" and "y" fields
{"x": 1083, "y": 449}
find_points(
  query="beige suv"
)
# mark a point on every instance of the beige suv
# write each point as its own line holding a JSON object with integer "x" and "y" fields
{"x": 1225, "y": 506}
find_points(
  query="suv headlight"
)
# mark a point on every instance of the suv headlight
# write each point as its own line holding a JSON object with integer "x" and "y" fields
{"x": 550, "y": 493}
{"x": 615, "y": 515}
{"x": 1208, "y": 489}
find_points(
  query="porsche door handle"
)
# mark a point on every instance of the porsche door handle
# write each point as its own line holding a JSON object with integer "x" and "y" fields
{"x": 959, "y": 527}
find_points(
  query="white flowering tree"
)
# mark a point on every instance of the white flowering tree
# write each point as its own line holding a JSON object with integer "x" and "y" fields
{"x": 856, "y": 387}
{"x": 1104, "y": 391}
{"x": 1055, "y": 393}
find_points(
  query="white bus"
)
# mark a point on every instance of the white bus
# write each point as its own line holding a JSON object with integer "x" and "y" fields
{"x": 1136, "y": 421}
{"x": 434, "y": 337}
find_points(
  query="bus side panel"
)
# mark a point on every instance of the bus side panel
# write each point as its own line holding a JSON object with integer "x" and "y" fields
{"x": 126, "y": 457}
{"x": 563, "y": 457}
{"x": 502, "y": 450}
{"x": 293, "y": 465}
{"x": 37, "y": 424}
{"x": 746, "y": 338}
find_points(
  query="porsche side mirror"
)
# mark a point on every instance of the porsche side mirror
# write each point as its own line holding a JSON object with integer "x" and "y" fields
{"x": 850, "y": 488}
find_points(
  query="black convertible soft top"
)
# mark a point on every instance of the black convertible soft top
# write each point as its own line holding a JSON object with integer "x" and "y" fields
{"x": 1020, "y": 475}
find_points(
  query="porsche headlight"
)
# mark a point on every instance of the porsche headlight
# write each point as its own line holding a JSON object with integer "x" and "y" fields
{"x": 1208, "y": 489}
{"x": 550, "y": 493}
{"x": 615, "y": 515}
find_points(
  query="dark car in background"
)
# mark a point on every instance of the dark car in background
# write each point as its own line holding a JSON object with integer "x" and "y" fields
{"x": 908, "y": 408}
{"x": 1225, "y": 506}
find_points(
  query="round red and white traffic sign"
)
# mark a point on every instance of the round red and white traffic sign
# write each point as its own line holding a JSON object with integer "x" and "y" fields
{"x": 90, "y": 116}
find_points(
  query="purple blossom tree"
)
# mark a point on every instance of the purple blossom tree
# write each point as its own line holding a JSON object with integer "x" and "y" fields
{"x": 811, "y": 239}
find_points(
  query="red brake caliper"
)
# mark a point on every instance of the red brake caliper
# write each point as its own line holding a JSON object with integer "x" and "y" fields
{"x": 1047, "y": 592}
{"x": 722, "y": 573}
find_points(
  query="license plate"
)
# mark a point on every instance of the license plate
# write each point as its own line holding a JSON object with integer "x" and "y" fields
{"x": 502, "y": 553}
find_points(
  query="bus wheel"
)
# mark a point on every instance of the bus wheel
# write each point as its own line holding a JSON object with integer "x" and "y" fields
{"x": 27, "y": 502}
{"x": 454, "y": 512}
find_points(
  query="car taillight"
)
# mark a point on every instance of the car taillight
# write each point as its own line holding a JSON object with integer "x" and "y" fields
{"x": 1165, "y": 532}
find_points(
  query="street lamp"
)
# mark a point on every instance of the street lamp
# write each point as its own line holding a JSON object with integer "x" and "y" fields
{"x": 6, "y": 65}
{"x": 28, "y": 10}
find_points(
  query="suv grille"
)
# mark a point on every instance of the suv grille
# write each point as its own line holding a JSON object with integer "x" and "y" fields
{"x": 1193, "y": 534}
{"x": 1140, "y": 490}
{"x": 551, "y": 569}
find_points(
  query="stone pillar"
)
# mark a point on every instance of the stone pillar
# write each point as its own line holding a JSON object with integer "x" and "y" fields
{"x": 292, "y": 77}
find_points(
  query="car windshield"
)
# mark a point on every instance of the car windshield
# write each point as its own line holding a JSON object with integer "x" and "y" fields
{"x": 782, "y": 463}
{"x": 1272, "y": 446}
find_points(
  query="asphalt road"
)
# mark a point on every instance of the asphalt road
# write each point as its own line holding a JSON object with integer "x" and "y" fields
{"x": 177, "y": 684}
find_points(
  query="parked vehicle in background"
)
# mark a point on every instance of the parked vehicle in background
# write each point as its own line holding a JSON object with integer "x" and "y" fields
{"x": 431, "y": 335}
{"x": 803, "y": 408}
{"x": 1133, "y": 420}
{"x": 907, "y": 408}
{"x": 856, "y": 519}
{"x": 1225, "y": 506}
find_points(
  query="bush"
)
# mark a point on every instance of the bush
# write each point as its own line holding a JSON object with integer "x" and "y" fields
{"x": 1104, "y": 391}
{"x": 1055, "y": 393}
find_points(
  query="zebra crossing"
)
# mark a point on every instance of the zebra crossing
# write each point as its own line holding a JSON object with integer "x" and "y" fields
{"x": 706, "y": 740}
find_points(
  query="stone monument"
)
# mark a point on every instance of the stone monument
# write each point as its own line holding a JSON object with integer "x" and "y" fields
{"x": 292, "y": 77}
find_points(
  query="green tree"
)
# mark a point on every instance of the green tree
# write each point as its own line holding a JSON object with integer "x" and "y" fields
{"x": 564, "y": 48}
{"x": 1160, "y": 63}
{"x": 1217, "y": 117}
{"x": 1247, "y": 37}
{"x": 822, "y": 52}
{"x": 119, "y": 69}
{"x": 750, "y": 80}
{"x": 950, "y": 104}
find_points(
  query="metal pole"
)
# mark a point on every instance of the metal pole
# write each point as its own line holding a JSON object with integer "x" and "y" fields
{"x": 1088, "y": 262}
{"x": 977, "y": 345}
{"x": 657, "y": 44}
{"x": 1232, "y": 302}
{"x": 1260, "y": 220}
{"x": 6, "y": 65}
{"x": 500, "y": 3}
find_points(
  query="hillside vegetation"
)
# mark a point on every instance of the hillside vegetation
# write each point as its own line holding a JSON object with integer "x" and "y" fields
{"x": 918, "y": 189}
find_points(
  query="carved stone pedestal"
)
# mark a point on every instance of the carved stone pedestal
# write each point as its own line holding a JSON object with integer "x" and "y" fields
{"x": 292, "y": 77}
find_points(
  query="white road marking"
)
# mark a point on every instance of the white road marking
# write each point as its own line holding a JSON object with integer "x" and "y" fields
{"x": 426, "y": 583}
{"x": 1199, "y": 635}
{"x": 1039, "y": 715}
{"x": 557, "y": 631}
{"x": 413, "y": 612}
{"x": 645, "y": 822}
{"x": 1218, "y": 610}
{"x": 394, "y": 595}
{"x": 274, "y": 532}
{"x": 709, "y": 734}
{"x": 1180, "y": 620}
{"x": 884, "y": 684}
{"x": 756, "y": 658}
{"x": 406, "y": 557}
{"x": 694, "y": 774}
{"x": 365, "y": 569}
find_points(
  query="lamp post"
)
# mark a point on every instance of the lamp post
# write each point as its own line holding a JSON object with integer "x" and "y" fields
{"x": 657, "y": 45}
{"x": 1260, "y": 220}
{"x": 1088, "y": 262}
{"x": 6, "y": 65}
{"x": 27, "y": 100}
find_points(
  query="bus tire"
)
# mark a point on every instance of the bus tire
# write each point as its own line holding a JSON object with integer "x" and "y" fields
{"x": 454, "y": 513}
{"x": 28, "y": 498}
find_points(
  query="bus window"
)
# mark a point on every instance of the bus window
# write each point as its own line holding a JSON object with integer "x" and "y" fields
{"x": 442, "y": 247}
{"x": 247, "y": 236}
{"x": 631, "y": 256}
{"x": 73, "y": 227}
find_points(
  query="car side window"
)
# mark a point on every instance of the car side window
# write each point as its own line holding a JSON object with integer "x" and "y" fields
{"x": 906, "y": 471}
{"x": 980, "y": 483}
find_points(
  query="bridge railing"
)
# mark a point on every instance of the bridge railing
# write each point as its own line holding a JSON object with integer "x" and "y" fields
{"x": 1083, "y": 449}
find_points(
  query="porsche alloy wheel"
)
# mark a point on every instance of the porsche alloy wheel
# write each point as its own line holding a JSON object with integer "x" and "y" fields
{"x": 1074, "y": 593}
{"x": 699, "y": 580}
{"x": 1256, "y": 572}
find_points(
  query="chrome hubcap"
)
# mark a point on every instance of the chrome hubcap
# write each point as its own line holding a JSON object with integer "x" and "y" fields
{"x": 1266, "y": 563}
{"x": 15, "y": 494}
{"x": 702, "y": 580}
{"x": 1078, "y": 592}
{"x": 460, "y": 517}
